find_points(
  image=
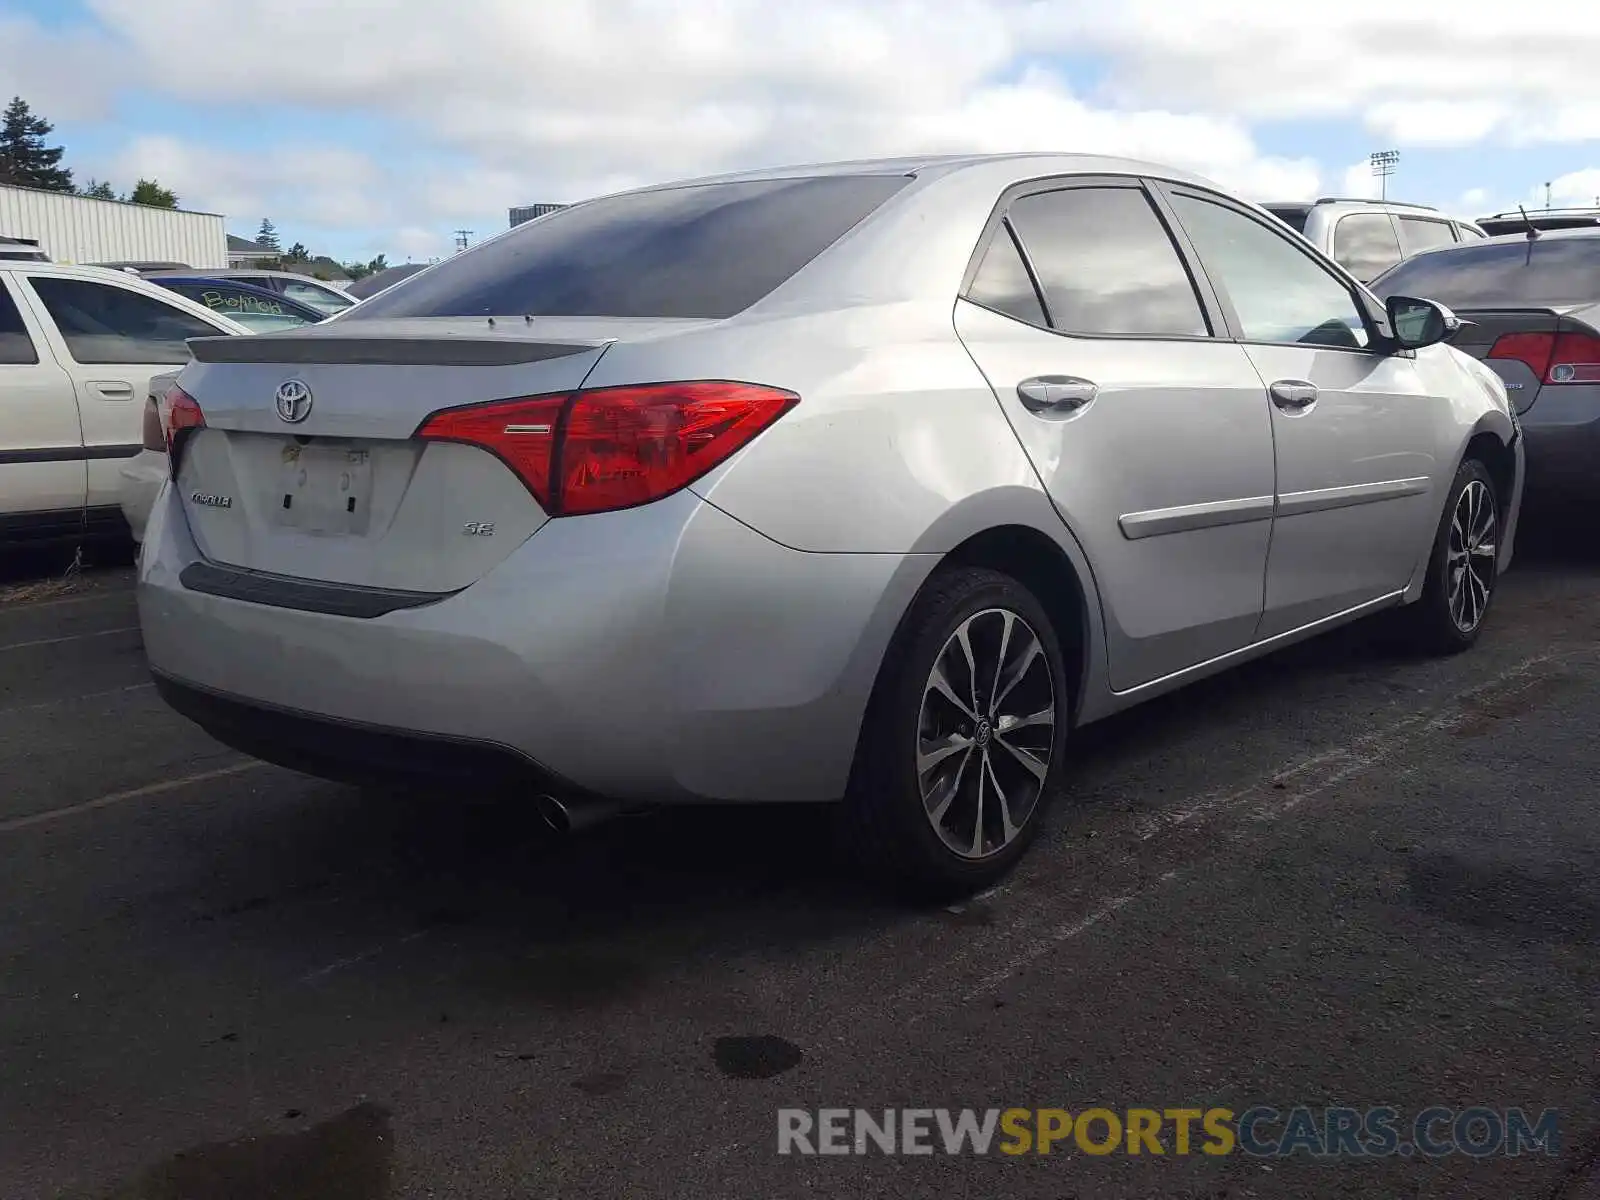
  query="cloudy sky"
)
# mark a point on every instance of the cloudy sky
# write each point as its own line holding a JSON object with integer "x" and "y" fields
{"x": 362, "y": 126}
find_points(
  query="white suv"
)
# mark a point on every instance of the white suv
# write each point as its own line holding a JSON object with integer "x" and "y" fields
{"x": 1367, "y": 237}
{"x": 79, "y": 347}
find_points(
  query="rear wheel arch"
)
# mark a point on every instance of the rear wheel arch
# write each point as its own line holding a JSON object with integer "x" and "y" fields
{"x": 1041, "y": 565}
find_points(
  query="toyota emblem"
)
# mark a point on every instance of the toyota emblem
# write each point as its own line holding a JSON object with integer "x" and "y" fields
{"x": 293, "y": 400}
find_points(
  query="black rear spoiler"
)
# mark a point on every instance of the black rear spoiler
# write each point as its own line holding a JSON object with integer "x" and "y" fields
{"x": 290, "y": 348}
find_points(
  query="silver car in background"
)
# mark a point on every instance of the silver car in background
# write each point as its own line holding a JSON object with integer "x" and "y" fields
{"x": 860, "y": 483}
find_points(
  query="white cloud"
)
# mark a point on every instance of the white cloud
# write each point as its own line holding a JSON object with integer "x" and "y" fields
{"x": 1457, "y": 76}
{"x": 1358, "y": 182}
{"x": 629, "y": 92}
{"x": 1578, "y": 189}
{"x": 504, "y": 102}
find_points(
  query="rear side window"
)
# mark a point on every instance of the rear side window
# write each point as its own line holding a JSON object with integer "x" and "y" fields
{"x": 1551, "y": 270}
{"x": 260, "y": 311}
{"x": 1107, "y": 264}
{"x": 704, "y": 250}
{"x": 322, "y": 299}
{"x": 1365, "y": 244}
{"x": 1292, "y": 215}
{"x": 16, "y": 347}
{"x": 105, "y": 324}
{"x": 1002, "y": 282}
{"x": 1423, "y": 234}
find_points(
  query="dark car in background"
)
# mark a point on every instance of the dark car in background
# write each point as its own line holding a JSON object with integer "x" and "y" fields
{"x": 1532, "y": 304}
{"x": 256, "y": 308}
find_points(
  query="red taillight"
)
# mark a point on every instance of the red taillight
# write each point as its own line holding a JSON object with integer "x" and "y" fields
{"x": 596, "y": 451}
{"x": 183, "y": 417}
{"x": 1553, "y": 357}
{"x": 521, "y": 432}
{"x": 1576, "y": 359}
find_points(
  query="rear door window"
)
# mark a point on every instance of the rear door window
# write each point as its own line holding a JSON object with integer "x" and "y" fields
{"x": 260, "y": 311}
{"x": 1365, "y": 244}
{"x": 702, "y": 250}
{"x": 1420, "y": 233}
{"x": 102, "y": 323}
{"x": 16, "y": 346}
{"x": 1106, "y": 264}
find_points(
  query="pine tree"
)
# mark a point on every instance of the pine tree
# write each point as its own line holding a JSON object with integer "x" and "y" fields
{"x": 25, "y": 160}
{"x": 149, "y": 192}
{"x": 268, "y": 235}
{"x": 98, "y": 190}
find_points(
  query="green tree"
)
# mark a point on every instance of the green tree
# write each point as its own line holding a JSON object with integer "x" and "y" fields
{"x": 98, "y": 190}
{"x": 152, "y": 194}
{"x": 296, "y": 253}
{"x": 25, "y": 160}
{"x": 360, "y": 270}
{"x": 267, "y": 235}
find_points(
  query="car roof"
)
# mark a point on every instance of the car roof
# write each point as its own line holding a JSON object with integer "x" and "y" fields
{"x": 1028, "y": 164}
{"x": 234, "y": 273}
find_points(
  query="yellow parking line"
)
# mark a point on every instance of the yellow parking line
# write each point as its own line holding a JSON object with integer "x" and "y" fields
{"x": 138, "y": 793}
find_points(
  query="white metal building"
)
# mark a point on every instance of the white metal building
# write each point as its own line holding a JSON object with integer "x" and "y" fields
{"x": 76, "y": 229}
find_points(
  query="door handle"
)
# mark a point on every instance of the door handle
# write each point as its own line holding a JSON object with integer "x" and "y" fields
{"x": 1056, "y": 393}
{"x": 1293, "y": 395}
{"x": 112, "y": 390}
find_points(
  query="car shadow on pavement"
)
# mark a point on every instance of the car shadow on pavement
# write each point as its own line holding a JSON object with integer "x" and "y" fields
{"x": 727, "y": 878}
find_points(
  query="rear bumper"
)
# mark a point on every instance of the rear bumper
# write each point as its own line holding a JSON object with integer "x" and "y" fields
{"x": 666, "y": 653}
{"x": 1562, "y": 430}
{"x": 142, "y": 479}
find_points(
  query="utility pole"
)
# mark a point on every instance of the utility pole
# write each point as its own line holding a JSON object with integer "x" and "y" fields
{"x": 1547, "y": 197}
{"x": 463, "y": 237}
{"x": 1384, "y": 163}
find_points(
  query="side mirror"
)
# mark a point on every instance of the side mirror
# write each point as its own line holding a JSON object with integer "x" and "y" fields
{"x": 1418, "y": 323}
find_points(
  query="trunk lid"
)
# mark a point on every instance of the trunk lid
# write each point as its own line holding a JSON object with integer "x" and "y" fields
{"x": 1487, "y": 327}
{"x": 1526, "y": 339}
{"x": 343, "y": 493}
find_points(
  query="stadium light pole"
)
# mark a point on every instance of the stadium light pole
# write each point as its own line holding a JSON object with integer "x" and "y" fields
{"x": 1383, "y": 165}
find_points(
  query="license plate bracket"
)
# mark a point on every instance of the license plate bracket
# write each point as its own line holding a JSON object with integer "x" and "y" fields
{"x": 325, "y": 488}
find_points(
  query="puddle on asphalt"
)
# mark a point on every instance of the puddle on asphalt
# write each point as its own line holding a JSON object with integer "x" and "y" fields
{"x": 346, "y": 1158}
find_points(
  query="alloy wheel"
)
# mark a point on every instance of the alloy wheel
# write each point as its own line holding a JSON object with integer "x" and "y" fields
{"x": 985, "y": 733}
{"x": 1471, "y": 555}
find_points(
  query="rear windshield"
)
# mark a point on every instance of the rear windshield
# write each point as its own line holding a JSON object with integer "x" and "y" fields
{"x": 705, "y": 250}
{"x": 1542, "y": 272}
{"x": 1292, "y": 215}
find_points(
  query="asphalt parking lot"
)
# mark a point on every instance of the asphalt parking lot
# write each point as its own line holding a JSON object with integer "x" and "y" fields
{"x": 1340, "y": 876}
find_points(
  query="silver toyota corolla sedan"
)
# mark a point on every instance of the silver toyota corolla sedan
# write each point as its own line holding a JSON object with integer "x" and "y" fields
{"x": 863, "y": 483}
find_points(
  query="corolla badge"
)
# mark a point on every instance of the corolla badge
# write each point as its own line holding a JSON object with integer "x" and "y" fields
{"x": 293, "y": 401}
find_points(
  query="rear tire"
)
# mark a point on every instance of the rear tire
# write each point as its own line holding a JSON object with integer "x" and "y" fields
{"x": 1462, "y": 569}
{"x": 955, "y": 764}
